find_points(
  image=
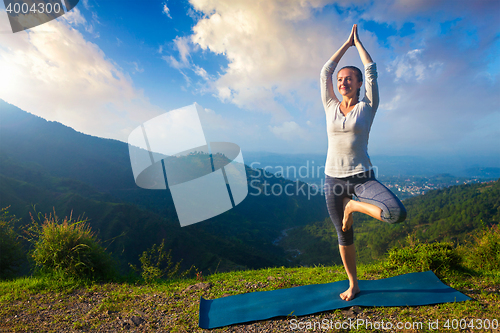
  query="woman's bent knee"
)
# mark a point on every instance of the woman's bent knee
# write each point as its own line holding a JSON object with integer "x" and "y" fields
{"x": 397, "y": 215}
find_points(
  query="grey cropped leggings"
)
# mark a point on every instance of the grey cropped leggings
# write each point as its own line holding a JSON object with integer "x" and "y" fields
{"x": 367, "y": 189}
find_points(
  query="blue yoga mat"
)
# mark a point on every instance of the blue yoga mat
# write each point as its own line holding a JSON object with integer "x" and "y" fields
{"x": 404, "y": 290}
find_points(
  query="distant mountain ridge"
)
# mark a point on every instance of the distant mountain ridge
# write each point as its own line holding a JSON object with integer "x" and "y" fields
{"x": 30, "y": 138}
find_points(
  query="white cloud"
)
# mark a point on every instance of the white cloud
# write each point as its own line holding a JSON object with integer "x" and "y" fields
{"x": 273, "y": 48}
{"x": 430, "y": 80}
{"x": 434, "y": 77}
{"x": 86, "y": 4}
{"x": 53, "y": 72}
{"x": 215, "y": 121}
{"x": 166, "y": 10}
{"x": 410, "y": 66}
{"x": 393, "y": 103}
{"x": 136, "y": 67}
{"x": 182, "y": 46}
{"x": 289, "y": 131}
{"x": 201, "y": 72}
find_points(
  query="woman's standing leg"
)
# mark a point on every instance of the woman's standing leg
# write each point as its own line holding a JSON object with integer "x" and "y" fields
{"x": 348, "y": 255}
{"x": 337, "y": 194}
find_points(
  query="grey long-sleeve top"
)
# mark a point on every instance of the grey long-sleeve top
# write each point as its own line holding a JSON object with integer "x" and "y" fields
{"x": 348, "y": 135}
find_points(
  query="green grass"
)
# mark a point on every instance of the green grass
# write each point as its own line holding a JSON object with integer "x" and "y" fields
{"x": 82, "y": 305}
{"x": 168, "y": 298}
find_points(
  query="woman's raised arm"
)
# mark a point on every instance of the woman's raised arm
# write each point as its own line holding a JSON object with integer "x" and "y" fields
{"x": 327, "y": 90}
{"x": 363, "y": 54}
{"x": 340, "y": 52}
{"x": 371, "y": 86}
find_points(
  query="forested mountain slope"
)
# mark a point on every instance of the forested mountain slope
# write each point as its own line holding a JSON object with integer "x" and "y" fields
{"x": 449, "y": 214}
{"x": 52, "y": 167}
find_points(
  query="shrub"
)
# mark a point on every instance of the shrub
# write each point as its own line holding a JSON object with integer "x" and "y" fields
{"x": 439, "y": 257}
{"x": 69, "y": 248}
{"x": 156, "y": 264}
{"x": 11, "y": 254}
{"x": 485, "y": 252}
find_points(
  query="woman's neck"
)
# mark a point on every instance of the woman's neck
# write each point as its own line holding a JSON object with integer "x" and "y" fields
{"x": 347, "y": 102}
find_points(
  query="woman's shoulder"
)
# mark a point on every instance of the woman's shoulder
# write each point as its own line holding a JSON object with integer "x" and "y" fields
{"x": 365, "y": 106}
{"x": 329, "y": 67}
{"x": 332, "y": 107}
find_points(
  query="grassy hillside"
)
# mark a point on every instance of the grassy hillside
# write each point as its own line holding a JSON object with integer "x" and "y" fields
{"x": 51, "y": 305}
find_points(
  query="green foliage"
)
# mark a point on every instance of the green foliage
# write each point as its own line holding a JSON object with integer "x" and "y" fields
{"x": 445, "y": 215}
{"x": 157, "y": 264}
{"x": 485, "y": 252}
{"x": 68, "y": 248}
{"x": 439, "y": 257}
{"x": 11, "y": 254}
{"x": 149, "y": 216}
{"x": 313, "y": 244}
{"x": 170, "y": 306}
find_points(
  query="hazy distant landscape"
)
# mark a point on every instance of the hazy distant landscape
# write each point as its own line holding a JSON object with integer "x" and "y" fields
{"x": 405, "y": 175}
{"x": 485, "y": 166}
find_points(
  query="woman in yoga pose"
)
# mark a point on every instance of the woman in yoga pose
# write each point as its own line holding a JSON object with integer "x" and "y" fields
{"x": 348, "y": 169}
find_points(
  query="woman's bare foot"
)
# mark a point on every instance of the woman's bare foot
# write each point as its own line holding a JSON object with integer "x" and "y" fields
{"x": 348, "y": 220}
{"x": 350, "y": 293}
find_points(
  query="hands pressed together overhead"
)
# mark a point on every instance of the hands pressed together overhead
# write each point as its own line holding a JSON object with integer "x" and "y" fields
{"x": 353, "y": 39}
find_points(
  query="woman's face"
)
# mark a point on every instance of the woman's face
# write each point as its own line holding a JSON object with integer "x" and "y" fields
{"x": 348, "y": 83}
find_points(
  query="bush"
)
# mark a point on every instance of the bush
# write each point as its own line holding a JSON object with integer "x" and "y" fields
{"x": 11, "y": 254}
{"x": 419, "y": 257}
{"x": 156, "y": 264}
{"x": 69, "y": 248}
{"x": 485, "y": 253}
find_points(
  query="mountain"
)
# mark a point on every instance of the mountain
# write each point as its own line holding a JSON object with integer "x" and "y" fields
{"x": 53, "y": 167}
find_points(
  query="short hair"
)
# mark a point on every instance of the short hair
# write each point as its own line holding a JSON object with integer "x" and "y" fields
{"x": 358, "y": 72}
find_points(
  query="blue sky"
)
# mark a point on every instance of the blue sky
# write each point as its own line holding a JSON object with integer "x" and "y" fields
{"x": 107, "y": 66}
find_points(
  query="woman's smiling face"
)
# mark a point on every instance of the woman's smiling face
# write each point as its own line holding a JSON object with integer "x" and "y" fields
{"x": 348, "y": 83}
